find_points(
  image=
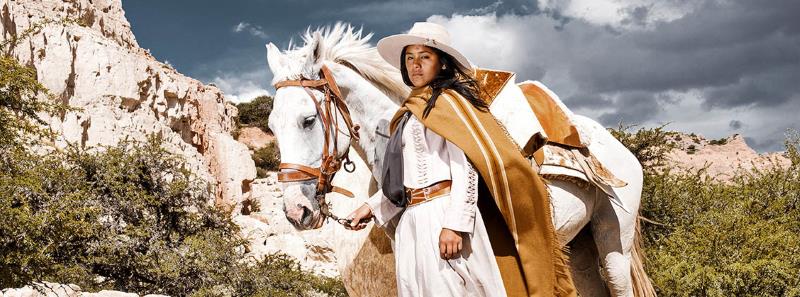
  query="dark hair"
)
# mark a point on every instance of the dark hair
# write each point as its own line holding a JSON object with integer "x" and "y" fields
{"x": 452, "y": 77}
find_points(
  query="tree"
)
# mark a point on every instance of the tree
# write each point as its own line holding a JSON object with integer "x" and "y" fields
{"x": 256, "y": 113}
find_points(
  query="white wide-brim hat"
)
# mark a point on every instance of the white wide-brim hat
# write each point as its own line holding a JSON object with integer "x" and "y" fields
{"x": 424, "y": 33}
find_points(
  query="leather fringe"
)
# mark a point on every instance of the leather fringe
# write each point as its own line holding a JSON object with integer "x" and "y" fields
{"x": 564, "y": 285}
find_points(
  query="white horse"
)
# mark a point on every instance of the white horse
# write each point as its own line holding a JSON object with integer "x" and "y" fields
{"x": 372, "y": 89}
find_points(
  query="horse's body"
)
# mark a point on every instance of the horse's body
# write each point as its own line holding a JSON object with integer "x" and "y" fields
{"x": 372, "y": 89}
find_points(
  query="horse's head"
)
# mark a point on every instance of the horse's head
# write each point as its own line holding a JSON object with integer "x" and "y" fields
{"x": 301, "y": 124}
{"x": 305, "y": 123}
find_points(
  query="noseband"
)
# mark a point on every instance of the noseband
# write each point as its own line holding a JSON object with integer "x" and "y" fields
{"x": 331, "y": 162}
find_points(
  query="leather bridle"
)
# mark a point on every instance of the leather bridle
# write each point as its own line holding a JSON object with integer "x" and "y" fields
{"x": 331, "y": 161}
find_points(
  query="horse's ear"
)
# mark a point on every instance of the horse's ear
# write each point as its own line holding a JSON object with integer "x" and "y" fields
{"x": 317, "y": 46}
{"x": 274, "y": 58}
{"x": 314, "y": 49}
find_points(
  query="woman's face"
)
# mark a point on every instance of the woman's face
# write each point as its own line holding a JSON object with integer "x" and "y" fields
{"x": 422, "y": 64}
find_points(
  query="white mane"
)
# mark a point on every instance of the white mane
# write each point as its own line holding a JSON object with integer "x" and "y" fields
{"x": 343, "y": 44}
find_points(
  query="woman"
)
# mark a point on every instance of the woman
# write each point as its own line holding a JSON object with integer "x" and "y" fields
{"x": 450, "y": 141}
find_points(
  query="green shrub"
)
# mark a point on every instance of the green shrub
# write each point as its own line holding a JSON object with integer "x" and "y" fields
{"x": 650, "y": 146}
{"x": 255, "y": 113}
{"x": 722, "y": 239}
{"x": 127, "y": 217}
{"x": 21, "y": 98}
{"x": 267, "y": 159}
{"x": 130, "y": 218}
{"x": 721, "y": 141}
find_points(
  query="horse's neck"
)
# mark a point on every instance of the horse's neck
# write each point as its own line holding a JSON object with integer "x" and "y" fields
{"x": 369, "y": 107}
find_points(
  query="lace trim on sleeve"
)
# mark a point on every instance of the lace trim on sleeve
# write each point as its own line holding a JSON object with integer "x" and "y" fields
{"x": 418, "y": 136}
{"x": 472, "y": 184}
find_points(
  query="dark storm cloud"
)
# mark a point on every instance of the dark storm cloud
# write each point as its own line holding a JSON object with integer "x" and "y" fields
{"x": 591, "y": 101}
{"x": 714, "y": 46}
{"x": 622, "y": 66}
{"x": 768, "y": 88}
{"x": 722, "y": 24}
{"x": 639, "y": 107}
{"x": 735, "y": 124}
{"x": 735, "y": 56}
{"x": 198, "y": 37}
{"x": 719, "y": 46}
{"x": 732, "y": 55}
{"x": 637, "y": 15}
{"x": 772, "y": 142}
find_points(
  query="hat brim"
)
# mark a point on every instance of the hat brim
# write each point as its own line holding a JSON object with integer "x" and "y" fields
{"x": 391, "y": 47}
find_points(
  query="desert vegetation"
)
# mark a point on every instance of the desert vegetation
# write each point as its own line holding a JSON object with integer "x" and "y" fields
{"x": 127, "y": 217}
{"x": 704, "y": 237}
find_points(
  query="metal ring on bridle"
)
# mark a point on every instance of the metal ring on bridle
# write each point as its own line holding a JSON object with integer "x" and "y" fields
{"x": 351, "y": 164}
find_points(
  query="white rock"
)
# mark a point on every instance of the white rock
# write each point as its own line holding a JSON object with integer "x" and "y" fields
{"x": 108, "y": 293}
{"x": 97, "y": 65}
{"x": 44, "y": 289}
{"x": 126, "y": 93}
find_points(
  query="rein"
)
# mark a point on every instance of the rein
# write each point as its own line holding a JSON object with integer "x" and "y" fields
{"x": 331, "y": 162}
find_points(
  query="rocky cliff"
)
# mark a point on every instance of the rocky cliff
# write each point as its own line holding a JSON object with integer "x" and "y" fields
{"x": 721, "y": 158}
{"x": 87, "y": 55}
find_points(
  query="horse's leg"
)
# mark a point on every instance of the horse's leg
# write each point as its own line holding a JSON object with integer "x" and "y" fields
{"x": 613, "y": 230}
{"x": 584, "y": 263}
{"x": 572, "y": 208}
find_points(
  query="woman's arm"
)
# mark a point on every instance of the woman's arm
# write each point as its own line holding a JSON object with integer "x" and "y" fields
{"x": 376, "y": 206}
{"x": 383, "y": 209}
{"x": 460, "y": 216}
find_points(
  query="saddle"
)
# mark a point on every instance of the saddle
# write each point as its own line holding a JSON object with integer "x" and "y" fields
{"x": 564, "y": 153}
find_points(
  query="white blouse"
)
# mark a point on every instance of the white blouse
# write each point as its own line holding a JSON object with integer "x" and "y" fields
{"x": 429, "y": 158}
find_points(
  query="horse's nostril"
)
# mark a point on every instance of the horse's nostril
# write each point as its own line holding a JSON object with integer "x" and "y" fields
{"x": 306, "y": 218}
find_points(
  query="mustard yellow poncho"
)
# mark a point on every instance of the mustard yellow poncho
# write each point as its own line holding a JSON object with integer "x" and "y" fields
{"x": 524, "y": 240}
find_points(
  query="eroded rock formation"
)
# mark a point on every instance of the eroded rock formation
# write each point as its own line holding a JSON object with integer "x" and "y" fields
{"x": 87, "y": 55}
{"x": 720, "y": 159}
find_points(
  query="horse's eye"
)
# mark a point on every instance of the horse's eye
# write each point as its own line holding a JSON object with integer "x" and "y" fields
{"x": 309, "y": 121}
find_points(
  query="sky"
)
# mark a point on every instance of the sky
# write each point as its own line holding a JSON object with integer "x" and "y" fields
{"x": 712, "y": 67}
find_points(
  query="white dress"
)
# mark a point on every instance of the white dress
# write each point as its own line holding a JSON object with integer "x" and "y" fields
{"x": 427, "y": 159}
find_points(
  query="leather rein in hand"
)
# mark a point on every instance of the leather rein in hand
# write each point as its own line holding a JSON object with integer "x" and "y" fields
{"x": 331, "y": 162}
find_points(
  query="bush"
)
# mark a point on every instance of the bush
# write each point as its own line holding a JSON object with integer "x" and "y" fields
{"x": 737, "y": 239}
{"x": 723, "y": 239}
{"x": 650, "y": 146}
{"x": 721, "y": 141}
{"x": 21, "y": 98}
{"x": 127, "y": 217}
{"x": 267, "y": 159}
{"x": 691, "y": 149}
{"x": 255, "y": 113}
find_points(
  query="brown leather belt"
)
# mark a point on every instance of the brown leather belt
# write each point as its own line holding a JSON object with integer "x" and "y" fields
{"x": 417, "y": 196}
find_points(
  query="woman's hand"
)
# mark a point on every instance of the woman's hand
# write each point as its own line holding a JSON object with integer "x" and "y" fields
{"x": 449, "y": 244}
{"x": 362, "y": 213}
